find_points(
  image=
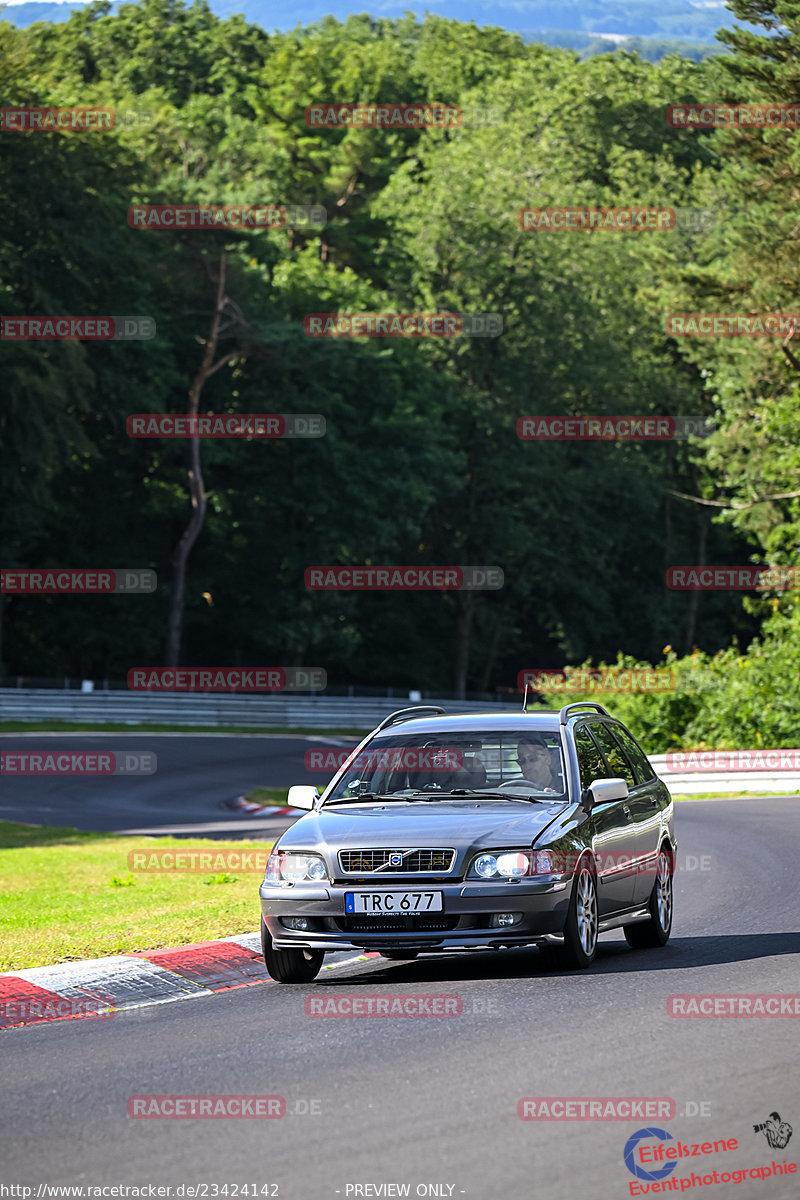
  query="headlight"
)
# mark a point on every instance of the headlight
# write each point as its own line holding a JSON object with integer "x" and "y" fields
{"x": 294, "y": 868}
{"x": 515, "y": 863}
{"x": 485, "y": 866}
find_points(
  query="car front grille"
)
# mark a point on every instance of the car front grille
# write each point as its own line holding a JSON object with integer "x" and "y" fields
{"x": 413, "y": 862}
{"x": 430, "y": 924}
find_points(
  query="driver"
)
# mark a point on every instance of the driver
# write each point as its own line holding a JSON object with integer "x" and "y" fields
{"x": 539, "y": 763}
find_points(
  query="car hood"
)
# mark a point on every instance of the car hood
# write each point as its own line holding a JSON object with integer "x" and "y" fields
{"x": 461, "y": 825}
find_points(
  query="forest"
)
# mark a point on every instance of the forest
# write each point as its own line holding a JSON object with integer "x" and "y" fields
{"x": 421, "y": 463}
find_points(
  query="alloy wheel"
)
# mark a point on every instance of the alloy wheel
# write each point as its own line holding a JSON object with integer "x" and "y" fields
{"x": 586, "y": 912}
{"x": 664, "y": 891}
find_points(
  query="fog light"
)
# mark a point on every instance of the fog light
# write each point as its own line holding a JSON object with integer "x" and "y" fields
{"x": 501, "y": 919}
{"x": 301, "y": 923}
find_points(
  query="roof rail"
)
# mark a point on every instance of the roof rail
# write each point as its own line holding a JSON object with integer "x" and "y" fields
{"x": 408, "y": 714}
{"x": 566, "y": 710}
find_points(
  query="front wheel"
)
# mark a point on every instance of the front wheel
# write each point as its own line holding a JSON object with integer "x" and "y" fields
{"x": 580, "y": 931}
{"x": 645, "y": 935}
{"x": 289, "y": 966}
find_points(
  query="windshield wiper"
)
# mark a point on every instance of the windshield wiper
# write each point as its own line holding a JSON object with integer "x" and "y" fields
{"x": 366, "y": 796}
{"x": 497, "y": 794}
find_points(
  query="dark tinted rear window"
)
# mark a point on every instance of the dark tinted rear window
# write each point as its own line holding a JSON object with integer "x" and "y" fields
{"x": 590, "y": 760}
{"x": 618, "y": 763}
{"x": 641, "y": 765}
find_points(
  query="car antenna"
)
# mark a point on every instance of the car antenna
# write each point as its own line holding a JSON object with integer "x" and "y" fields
{"x": 525, "y": 698}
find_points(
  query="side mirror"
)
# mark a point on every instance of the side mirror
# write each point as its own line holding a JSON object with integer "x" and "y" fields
{"x": 302, "y": 795}
{"x": 603, "y": 790}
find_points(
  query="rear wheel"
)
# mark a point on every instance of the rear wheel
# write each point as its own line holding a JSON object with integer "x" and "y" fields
{"x": 289, "y": 966}
{"x": 398, "y": 955}
{"x": 580, "y": 931}
{"x": 645, "y": 935}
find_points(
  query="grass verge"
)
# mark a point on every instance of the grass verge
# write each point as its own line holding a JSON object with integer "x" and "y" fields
{"x": 268, "y": 796}
{"x": 69, "y": 895}
{"x": 722, "y": 795}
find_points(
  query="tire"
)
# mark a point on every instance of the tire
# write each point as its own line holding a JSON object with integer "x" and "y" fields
{"x": 289, "y": 966}
{"x": 399, "y": 955}
{"x": 646, "y": 935}
{"x": 581, "y": 928}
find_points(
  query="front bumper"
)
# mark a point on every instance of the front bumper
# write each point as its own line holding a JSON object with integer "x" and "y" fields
{"x": 463, "y": 924}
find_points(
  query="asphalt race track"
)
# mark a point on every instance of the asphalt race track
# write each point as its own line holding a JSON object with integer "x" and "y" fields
{"x": 433, "y": 1101}
{"x": 196, "y": 774}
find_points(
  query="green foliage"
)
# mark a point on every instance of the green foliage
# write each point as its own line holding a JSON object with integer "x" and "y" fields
{"x": 732, "y": 699}
{"x": 421, "y": 463}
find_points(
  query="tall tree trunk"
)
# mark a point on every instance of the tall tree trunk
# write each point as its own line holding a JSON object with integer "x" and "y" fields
{"x": 466, "y": 609}
{"x": 491, "y": 656}
{"x": 703, "y": 520}
{"x": 197, "y": 490}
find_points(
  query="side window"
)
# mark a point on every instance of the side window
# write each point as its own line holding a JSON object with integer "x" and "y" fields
{"x": 617, "y": 762}
{"x": 590, "y": 760}
{"x": 639, "y": 761}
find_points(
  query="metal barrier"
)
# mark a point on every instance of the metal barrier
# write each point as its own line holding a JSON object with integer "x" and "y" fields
{"x": 724, "y": 779}
{"x": 322, "y": 712}
{"x": 169, "y": 708}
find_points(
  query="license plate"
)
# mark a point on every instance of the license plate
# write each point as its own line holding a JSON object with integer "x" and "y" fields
{"x": 391, "y": 904}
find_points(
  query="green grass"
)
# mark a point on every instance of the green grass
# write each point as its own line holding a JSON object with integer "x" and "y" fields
{"x": 121, "y": 727}
{"x": 69, "y": 895}
{"x": 268, "y": 796}
{"x": 721, "y": 795}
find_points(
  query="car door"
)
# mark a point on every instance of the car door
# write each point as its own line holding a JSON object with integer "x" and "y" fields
{"x": 646, "y": 800}
{"x": 608, "y": 827}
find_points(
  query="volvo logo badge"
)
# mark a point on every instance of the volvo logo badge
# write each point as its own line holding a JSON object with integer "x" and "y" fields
{"x": 395, "y": 860}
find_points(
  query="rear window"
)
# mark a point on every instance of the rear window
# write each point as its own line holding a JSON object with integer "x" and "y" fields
{"x": 590, "y": 761}
{"x": 636, "y": 756}
{"x": 618, "y": 765}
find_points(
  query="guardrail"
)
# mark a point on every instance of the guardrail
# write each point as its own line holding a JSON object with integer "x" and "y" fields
{"x": 331, "y": 712}
{"x": 767, "y": 782}
{"x": 167, "y": 708}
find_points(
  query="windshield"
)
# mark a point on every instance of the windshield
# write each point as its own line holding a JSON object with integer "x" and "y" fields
{"x": 510, "y": 762}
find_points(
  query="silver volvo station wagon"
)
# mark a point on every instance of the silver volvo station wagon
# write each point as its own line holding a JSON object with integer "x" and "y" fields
{"x": 472, "y": 832}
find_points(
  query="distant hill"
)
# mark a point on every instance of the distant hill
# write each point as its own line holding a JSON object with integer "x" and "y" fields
{"x": 590, "y": 26}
